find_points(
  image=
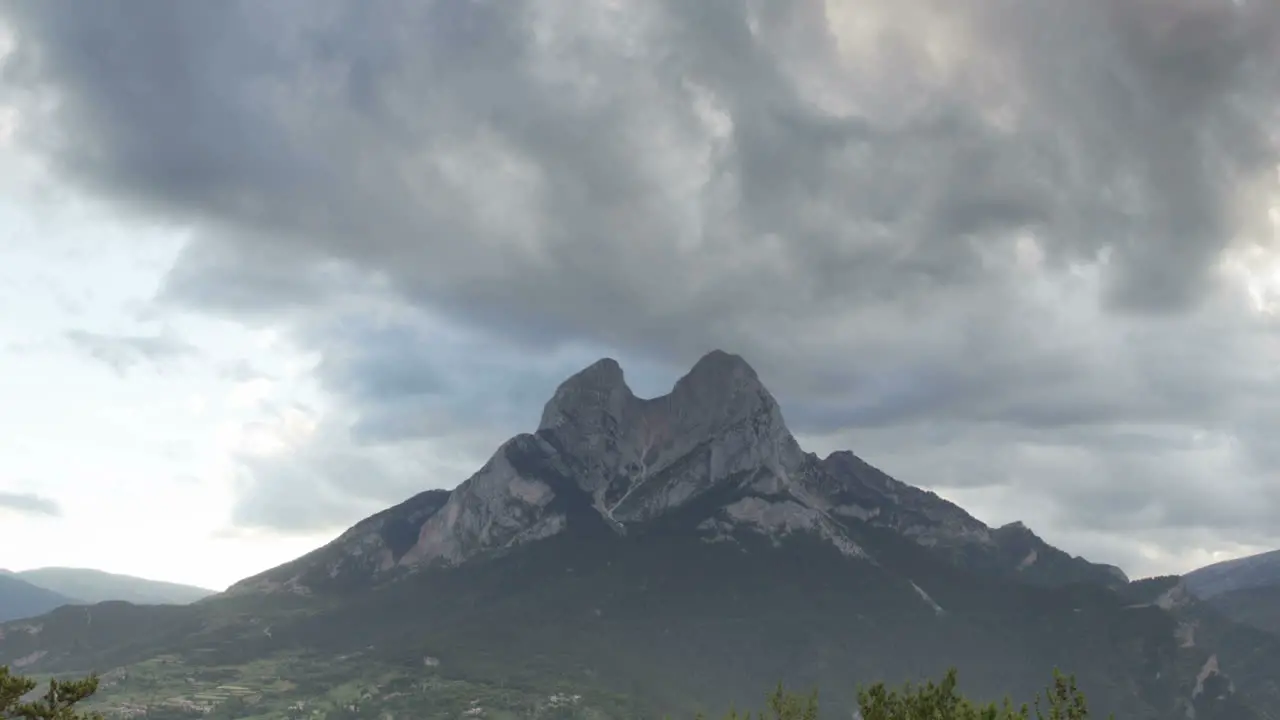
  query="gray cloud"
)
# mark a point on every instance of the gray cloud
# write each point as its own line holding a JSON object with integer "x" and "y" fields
{"x": 288, "y": 496}
{"x": 399, "y": 367}
{"x": 422, "y": 403}
{"x": 950, "y": 234}
{"x": 1132, "y": 131}
{"x": 334, "y": 479}
{"x": 123, "y": 352}
{"x": 29, "y": 503}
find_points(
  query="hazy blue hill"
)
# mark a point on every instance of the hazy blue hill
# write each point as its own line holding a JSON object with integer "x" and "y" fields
{"x": 21, "y": 599}
{"x": 97, "y": 586}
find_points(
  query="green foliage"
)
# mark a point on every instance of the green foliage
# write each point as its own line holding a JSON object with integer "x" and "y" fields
{"x": 933, "y": 701}
{"x": 56, "y": 704}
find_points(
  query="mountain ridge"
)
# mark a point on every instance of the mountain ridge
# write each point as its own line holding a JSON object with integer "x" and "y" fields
{"x": 1245, "y": 589}
{"x": 20, "y": 598}
{"x": 637, "y": 458}
{"x": 1254, "y": 571}
{"x": 90, "y": 585}
{"x": 624, "y": 534}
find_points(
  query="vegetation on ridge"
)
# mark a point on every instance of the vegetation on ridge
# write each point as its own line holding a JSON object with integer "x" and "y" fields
{"x": 931, "y": 701}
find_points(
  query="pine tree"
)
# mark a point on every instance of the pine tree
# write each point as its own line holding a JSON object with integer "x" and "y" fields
{"x": 57, "y": 703}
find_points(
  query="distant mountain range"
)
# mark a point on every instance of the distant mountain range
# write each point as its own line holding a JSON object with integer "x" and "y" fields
{"x": 633, "y": 557}
{"x": 1256, "y": 571}
{"x": 35, "y": 592}
{"x": 1247, "y": 589}
{"x": 19, "y": 598}
{"x": 94, "y": 586}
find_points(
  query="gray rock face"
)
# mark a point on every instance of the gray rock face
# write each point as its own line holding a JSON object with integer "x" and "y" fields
{"x": 496, "y": 508}
{"x": 635, "y": 459}
{"x": 641, "y": 458}
{"x": 718, "y": 434}
{"x": 853, "y": 488}
{"x": 788, "y": 516}
{"x": 356, "y": 558}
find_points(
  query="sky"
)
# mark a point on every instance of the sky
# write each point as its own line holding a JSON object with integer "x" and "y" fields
{"x": 266, "y": 269}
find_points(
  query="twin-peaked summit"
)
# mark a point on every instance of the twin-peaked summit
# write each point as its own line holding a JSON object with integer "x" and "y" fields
{"x": 641, "y": 457}
{"x": 598, "y": 446}
{"x": 719, "y": 390}
{"x": 712, "y": 457}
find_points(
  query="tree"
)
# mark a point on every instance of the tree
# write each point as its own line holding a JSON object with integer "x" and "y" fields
{"x": 934, "y": 701}
{"x": 57, "y": 703}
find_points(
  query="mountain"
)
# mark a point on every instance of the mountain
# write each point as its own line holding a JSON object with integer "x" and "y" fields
{"x": 637, "y": 556}
{"x": 1259, "y": 607}
{"x": 1255, "y": 571}
{"x": 20, "y": 599}
{"x": 95, "y": 586}
{"x": 1246, "y": 589}
{"x": 631, "y": 461}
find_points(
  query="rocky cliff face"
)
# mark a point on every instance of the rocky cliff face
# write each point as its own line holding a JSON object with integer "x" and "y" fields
{"x": 355, "y": 559}
{"x": 629, "y": 461}
{"x": 640, "y": 458}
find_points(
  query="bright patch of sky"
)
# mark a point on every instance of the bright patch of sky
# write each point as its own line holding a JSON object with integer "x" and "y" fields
{"x": 127, "y": 416}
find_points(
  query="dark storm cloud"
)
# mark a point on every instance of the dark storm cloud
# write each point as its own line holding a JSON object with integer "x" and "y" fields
{"x": 381, "y": 363}
{"x": 523, "y": 162}
{"x": 29, "y": 504}
{"x": 406, "y": 374}
{"x": 984, "y": 226}
{"x": 123, "y": 352}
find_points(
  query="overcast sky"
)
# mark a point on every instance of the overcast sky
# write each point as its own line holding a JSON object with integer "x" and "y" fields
{"x": 266, "y": 268}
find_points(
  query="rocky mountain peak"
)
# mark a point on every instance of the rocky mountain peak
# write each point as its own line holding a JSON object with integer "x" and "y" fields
{"x": 596, "y": 393}
{"x": 595, "y": 408}
{"x": 717, "y": 365}
{"x": 722, "y": 389}
{"x": 1017, "y": 526}
{"x": 603, "y": 457}
{"x": 624, "y": 443}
